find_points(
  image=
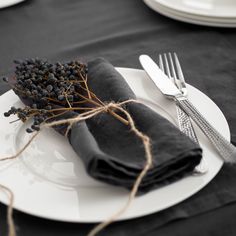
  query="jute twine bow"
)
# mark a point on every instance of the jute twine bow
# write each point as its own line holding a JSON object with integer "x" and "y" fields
{"x": 81, "y": 117}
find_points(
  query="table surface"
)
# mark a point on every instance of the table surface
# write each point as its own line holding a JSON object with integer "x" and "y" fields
{"x": 120, "y": 31}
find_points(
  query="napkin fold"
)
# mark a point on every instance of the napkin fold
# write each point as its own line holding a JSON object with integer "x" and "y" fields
{"x": 115, "y": 155}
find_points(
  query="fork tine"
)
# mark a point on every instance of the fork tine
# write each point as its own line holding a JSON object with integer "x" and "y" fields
{"x": 178, "y": 67}
{"x": 173, "y": 70}
{"x": 161, "y": 63}
{"x": 180, "y": 74}
{"x": 167, "y": 67}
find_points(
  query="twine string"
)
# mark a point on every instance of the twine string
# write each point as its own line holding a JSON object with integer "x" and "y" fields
{"x": 147, "y": 146}
{"x": 10, "y": 221}
{"x": 81, "y": 117}
{"x": 21, "y": 150}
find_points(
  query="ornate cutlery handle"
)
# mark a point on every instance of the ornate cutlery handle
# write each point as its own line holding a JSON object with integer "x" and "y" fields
{"x": 185, "y": 124}
{"x": 225, "y": 148}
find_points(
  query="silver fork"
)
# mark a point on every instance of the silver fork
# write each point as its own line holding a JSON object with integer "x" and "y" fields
{"x": 177, "y": 78}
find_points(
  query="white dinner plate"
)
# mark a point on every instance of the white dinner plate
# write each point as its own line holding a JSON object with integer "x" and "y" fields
{"x": 8, "y": 3}
{"x": 191, "y": 18}
{"x": 208, "y": 8}
{"x": 197, "y": 17}
{"x": 49, "y": 179}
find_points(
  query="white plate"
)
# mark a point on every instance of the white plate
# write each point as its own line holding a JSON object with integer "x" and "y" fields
{"x": 49, "y": 179}
{"x": 209, "y": 8}
{"x": 8, "y": 3}
{"x": 158, "y": 6}
{"x": 190, "y": 18}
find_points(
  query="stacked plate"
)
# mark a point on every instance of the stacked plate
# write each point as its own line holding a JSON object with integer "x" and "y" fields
{"x": 8, "y": 3}
{"x": 203, "y": 12}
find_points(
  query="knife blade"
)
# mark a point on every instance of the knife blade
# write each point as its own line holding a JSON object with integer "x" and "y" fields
{"x": 226, "y": 150}
{"x": 158, "y": 77}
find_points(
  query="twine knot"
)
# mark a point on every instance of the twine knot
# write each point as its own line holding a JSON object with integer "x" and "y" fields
{"x": 110, "y": 105}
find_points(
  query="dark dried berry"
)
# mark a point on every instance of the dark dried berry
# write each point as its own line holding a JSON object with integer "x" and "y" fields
{"x": 61, "y": 97}
{"x": 17, "y": 61}
{"x": 7, "y": 114}
{"x": 28, "y": 130}
{"x": 70, "y": 98}
{"x": 28, "y": 93}
{"x": 5, "y": 79}
{"x": 13, "y": 109}
{"x": 35, "y": 127}
{"x": 48, "y": 107}
{"x": 35, "y": 92}
{"x": 34, "y": 106}
{"x": 49, "y": 88}
{"x": 36, "y": 122}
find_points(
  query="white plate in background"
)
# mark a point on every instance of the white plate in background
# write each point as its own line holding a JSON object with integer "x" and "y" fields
{"x": 209, "y": 8}
{"x": 8, "y": 3}
{"x": 168, "y": 9}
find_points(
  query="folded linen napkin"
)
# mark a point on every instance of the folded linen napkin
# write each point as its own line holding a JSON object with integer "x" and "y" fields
{"x": 113, "y": 154}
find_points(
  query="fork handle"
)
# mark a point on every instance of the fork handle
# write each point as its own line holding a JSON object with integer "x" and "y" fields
{"x": 224, "y": 147}
{"x": 185, "y": 124}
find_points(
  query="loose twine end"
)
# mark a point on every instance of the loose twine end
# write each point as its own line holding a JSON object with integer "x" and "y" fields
{"x": 10, "y": 221}
{"x": 110, "y": 107}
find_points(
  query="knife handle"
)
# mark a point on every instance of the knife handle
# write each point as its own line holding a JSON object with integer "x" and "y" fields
{"x": 224, "y": 147}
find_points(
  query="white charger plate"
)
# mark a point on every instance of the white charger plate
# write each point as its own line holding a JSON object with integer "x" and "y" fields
{"x": 190, "y": 18}
{"x": 8, "y": 3}
{"x": 49, "y": 180}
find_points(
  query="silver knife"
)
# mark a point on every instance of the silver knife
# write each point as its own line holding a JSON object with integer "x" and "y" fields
{"x": 226, "y": 150}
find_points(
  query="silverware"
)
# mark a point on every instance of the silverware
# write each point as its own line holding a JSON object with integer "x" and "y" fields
{"x": 226, "y": 150}
{"x": 185, "y": 124}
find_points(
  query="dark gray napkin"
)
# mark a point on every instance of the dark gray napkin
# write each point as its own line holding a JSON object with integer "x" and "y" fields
{"x": 113, "y": 154}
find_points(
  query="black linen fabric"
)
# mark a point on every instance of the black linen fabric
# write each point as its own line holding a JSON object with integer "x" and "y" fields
{"x": 120, "y": 31}
{"x": 114, "y": 154}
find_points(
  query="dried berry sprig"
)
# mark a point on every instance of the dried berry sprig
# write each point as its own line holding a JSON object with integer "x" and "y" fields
{"x": 51, "y": 89}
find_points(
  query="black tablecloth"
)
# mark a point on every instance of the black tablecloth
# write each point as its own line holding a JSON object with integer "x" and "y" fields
{"x": 120, "y": 31}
